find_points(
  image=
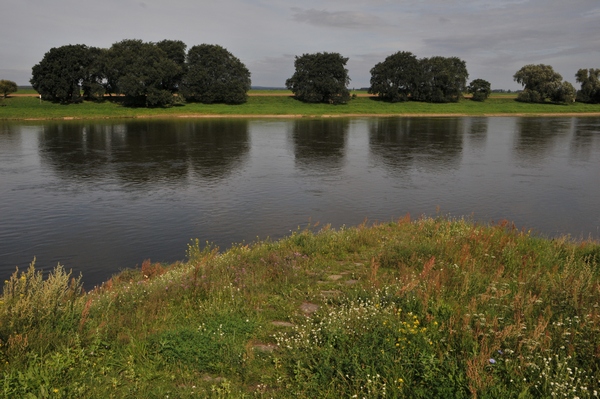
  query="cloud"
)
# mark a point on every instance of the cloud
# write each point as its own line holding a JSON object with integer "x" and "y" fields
{"x": 336, "y": 19}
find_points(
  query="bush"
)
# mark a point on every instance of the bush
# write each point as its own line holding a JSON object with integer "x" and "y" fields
{"x": 7, "y": 87}
{"x": 33, "y": 311}
{"x": 480, "y": 89}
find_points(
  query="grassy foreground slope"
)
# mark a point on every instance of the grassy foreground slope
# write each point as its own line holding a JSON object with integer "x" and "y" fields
{"x": 23, "y": 108}
{"x": 432, "y": 308}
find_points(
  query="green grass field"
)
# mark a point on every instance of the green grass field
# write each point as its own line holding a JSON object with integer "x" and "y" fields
{"x": 431, "y": 308}
{"x": 19, "y": 108}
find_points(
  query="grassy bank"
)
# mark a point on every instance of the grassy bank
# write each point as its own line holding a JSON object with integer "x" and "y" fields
{"x": 432, "y": 308}
{"x": 21, "y": 108}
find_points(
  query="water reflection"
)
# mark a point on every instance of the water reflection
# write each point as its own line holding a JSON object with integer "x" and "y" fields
{"x": 320, "y": 144}
{"x": 586, "y": 135}
{"x": 145, "y": 152}
{"x": 219, "y": 147}
{"x": 536, "y": 138}
{"x": 477, "y": 131}
{"x": 430, "y": 143}
{"x": 10, "y": 137}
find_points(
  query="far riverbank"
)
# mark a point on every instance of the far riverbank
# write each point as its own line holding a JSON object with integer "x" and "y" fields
{"x": 284, "y": 106}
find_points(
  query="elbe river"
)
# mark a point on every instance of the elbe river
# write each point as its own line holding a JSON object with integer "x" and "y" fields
{"x": 99, "y": 197}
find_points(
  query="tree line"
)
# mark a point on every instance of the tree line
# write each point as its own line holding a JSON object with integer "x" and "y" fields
{"x": 322, "y": 77}
{"x": 146, "y": 73}
{"x": 164, "y": 74}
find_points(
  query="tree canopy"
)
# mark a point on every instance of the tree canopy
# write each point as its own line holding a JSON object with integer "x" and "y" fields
{"x": 443, "y": 79}
{"x": 7, "y": 87}
{"x": 146, "y": 73}
{"x": 542, "y": 83}
{"x": 320, "y": 77}
{"x": 480, "y": 89}
{"x": 215, "y": 75}
{"x": 590, "y": 85}
{"x": 63, "y": 71}
{"x": 402, "y": 76}
{"x": 396, "y": 77}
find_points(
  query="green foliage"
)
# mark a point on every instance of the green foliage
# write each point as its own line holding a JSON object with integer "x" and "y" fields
{"x": 145, "y": 73}
{"x": 320, "y": 78}
{"x": 37, "y": 313}
{"x": 480, "y": 89}
{"x": 372, "y": 347}
{"x": 174, "y": 51}
{"x": 437, "y": 79}
{"x": 428, "y": 308}
{"x": 444, "y": 79}
{"x": 64, "y": 70}
{"x": 217, "y": 345}
{"x": 396, "y": 78}
{"x": 7, "y": 87}
{"x": 215, "y": 75}
{"x": 542, "y": 83}
{"x": 590, "y": 85}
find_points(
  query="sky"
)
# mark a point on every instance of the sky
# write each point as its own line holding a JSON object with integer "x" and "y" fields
{"x": 494, "y": 37}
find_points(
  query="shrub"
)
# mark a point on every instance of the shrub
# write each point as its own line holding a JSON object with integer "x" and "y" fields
{"x": 34, "y": 310}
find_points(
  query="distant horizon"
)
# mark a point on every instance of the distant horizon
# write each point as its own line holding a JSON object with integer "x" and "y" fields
{"x": 29, "y": 87}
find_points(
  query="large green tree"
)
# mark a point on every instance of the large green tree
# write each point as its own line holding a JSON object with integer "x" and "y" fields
{"x": 7, "y": 87}
{"x": 143, "y": 72}
{"x": 590, "y": 85}
{"x": 63, "y": 71}
{"x": 540, "y": 83}
{"x": 396, "y": 77}
{"x": 443, "y": 79}
{"x": 214, "y": 75}
{"x": 320, "y": 77}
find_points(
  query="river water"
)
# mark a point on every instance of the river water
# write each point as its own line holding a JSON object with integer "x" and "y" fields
{"x": 99, "y": 197}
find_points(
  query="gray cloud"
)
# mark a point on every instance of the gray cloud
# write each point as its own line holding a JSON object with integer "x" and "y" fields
{"x": 494, "y": 37}
{"x": 336, "y": 19}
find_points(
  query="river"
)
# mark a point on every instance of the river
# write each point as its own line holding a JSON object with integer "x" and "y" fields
{"x": 99, "y": 197}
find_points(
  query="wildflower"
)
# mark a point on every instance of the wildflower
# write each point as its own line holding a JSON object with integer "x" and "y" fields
{"x": 492, "y": 361}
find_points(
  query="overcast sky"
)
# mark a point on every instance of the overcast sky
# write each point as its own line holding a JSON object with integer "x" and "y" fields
{"x": 494, "y": 37}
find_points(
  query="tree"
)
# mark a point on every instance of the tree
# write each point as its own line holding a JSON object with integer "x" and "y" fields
{"x": 542, "y": 83}
{"x": 62, "y": 71}
{"x": 480, "y": 89}
{"x": 7, "y": 87}
{"x": 565, "y": 93}
{"x": 175, "y": 51}
{"x": 320, "y": 77}
{"x": 395, "y": 78}
{"x": 444, "y": 79}
{"x": 92, "y": 83}
{"x": 143, "y": 72}
{"x": 214, "y": 75}
{"x": 590, "y": 85}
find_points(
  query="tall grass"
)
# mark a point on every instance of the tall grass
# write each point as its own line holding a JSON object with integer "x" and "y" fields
{"x": 426, "y": 308}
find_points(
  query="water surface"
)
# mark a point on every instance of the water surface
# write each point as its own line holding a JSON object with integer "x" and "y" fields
{"x": 101, "y": 197}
